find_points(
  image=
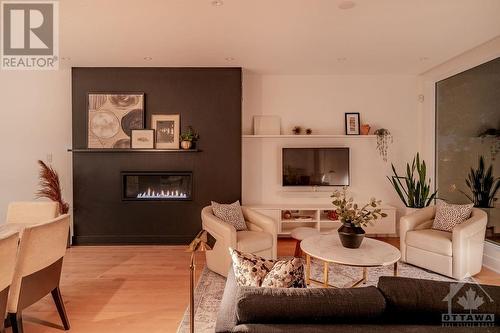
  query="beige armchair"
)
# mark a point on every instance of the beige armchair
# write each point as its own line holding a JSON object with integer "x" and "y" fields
{"x": 8, "y": 252}
{"x": 32, "y": 212}
{"x": 38, "y": 269}
{"x": 260, "y": 238}
{"x": 455, "y": 254}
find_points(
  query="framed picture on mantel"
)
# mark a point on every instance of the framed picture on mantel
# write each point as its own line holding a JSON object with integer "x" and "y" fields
{"x": 166, "y": 128}
{"x": 352, "y": 123}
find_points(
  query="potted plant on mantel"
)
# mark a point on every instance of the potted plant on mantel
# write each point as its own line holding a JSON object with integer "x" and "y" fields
{"x": 354, "y": 217}
{"x": 415, "y": 192}
{"x": 189, "y": 138}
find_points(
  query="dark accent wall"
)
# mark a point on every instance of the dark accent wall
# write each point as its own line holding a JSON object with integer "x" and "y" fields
{"x": 209, "y": 99}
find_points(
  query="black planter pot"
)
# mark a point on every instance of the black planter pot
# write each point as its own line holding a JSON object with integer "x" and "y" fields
{"x": 351, "y": 236}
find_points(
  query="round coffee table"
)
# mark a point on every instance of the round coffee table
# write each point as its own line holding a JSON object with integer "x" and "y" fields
{"x": 329, "y": 249}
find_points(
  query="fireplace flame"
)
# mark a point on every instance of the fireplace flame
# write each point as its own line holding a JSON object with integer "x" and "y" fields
{"x": 152, "y": 194}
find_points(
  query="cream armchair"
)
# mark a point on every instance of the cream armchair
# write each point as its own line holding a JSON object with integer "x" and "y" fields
{"x": 32, "y": 212}
{"x": 455, "y": 254}
{"x": 8, "y": 253}
{"x": 260, "y": 238}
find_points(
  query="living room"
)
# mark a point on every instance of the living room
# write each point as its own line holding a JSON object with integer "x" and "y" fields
{"x": 184, "y": 163}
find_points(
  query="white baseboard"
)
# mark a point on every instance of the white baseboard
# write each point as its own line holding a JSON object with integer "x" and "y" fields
{"x": 491, "y": 256}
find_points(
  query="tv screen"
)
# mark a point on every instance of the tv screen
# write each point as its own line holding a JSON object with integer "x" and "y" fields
{"x": 315, "y": 166}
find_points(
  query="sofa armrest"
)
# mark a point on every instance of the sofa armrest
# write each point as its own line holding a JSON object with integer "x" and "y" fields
{"x": 226, "y": 316}
{"x": 263, "y": 222}
{"x": 468, "y": 244}
{"x": 222, "y": 231}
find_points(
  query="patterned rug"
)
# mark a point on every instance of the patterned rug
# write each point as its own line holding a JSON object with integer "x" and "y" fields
{"x": 208, "y": 293}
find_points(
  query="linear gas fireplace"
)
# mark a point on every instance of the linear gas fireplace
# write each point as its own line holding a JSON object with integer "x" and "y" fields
{"x": 168, "y": 186}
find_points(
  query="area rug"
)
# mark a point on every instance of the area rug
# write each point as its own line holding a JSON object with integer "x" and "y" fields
{"x": 208, "y": 293}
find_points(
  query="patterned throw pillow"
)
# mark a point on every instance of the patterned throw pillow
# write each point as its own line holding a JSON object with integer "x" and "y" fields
{"x": 230, "y": 213}
{"x": 249, "y": 269}
{"x": 286, "y": 274}
{"x": 449, "y": 215}
{"x": 253, "y": 271}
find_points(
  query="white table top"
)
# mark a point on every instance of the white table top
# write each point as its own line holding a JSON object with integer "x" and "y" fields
{"x": 371, "y": 253}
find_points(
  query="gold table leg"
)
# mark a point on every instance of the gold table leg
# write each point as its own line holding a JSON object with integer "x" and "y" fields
{"x": 325, "y": 274}
{"x": 308, "y": 269}
{"x": 363, "y": 279}
{"x": 396, "y": 268}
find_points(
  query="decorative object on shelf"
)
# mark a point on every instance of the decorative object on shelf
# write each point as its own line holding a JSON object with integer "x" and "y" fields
{"x": 297, "y": 130}
{"x": 384, "y": 138}
{"x": 142, "y": 139}
{"x": 112, "y": 117}
{"x": 415, "y": 193}
{"x": 50, "y": 186}
{"x": 189, "y": 138}
{"x": 352, "y": 123}
{"x": 353, "y": 217}
{"x": 309, "y": 131}
{"x": 365, "y": 129}
{"x": 491, "y": 134}
{"x": 482, "y": 184}
{"x": 266, "y": 125}
{"x": 332, "y": 215}
{"x": 203, "y": 242}
{"x": 287, "y": 215}
{"x": 166, "y": 128}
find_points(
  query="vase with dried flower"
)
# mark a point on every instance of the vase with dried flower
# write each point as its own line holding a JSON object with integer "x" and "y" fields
{"x": 384, "y": 138}
{"x": 50, "y": 187}
{"x": 365, "y": 129}
{"x": 354, "y": 217}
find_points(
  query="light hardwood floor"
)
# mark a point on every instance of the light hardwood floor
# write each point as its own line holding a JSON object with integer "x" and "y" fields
{"x": 126, "y": 289}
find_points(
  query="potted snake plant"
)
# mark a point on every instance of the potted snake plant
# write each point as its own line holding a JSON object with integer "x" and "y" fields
{"x": 414, "y": 189}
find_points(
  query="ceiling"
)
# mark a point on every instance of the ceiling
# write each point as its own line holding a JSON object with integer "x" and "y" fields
{"x": 276, "y": 36}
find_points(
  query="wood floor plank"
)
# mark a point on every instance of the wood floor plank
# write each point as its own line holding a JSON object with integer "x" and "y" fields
{"x": 130, "y": 289}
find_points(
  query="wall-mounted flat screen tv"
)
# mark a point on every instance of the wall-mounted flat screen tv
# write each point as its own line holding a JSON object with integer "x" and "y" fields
{"x": 315, "y": 166}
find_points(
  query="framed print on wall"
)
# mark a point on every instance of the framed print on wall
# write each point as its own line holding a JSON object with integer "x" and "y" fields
{"x": 167, "y": 132}
{"x": 352, "y": 123}
{"x": 144, "y": 139}
{"x": 112, "y": 117}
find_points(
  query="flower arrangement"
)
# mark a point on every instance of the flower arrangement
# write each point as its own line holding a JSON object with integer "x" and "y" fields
{"x": 351, "y": 213}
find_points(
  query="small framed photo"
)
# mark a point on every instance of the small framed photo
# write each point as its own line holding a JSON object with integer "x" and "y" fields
{"x": 144, "y": 139}
{"x": 167, "y": 132}
{"x": 352, "y": 123}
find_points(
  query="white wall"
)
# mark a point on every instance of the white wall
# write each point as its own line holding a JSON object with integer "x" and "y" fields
{"x": 36, "y": 121}
{"x": 320, "y": 102}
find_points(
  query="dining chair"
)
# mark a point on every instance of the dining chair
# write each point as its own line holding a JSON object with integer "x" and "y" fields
{"x": 38, "y": 269}
{"x": 8, "y": 252}
{"x": 32, "y": 212}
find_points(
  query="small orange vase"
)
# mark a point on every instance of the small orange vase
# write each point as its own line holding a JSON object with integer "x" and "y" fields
{"x": 365, "y": 129}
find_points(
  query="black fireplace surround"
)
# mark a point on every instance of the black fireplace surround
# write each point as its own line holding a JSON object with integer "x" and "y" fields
{"x": 111, "y": 204}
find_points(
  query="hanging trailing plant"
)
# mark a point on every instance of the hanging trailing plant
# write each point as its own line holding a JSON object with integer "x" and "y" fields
{"x": 50, "y": 187}
{"x": 384, "y": 138}
{"x": 491, "y": 135}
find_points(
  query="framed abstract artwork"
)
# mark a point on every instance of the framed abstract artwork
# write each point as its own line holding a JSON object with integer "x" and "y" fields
{"x": 352, "y": 123}
{"x": 144, "y": 138}
{"x": 112, "y": 117}
{"x": 167, "y": 132}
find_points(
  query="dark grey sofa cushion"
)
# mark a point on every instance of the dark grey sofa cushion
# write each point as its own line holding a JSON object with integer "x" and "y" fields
{"x": 416, "y": 301}
{"x": 345, "y": 328}
{"x": 311, "y": 305}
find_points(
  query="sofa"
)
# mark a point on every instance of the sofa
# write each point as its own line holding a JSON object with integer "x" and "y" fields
{"x": 456, "y": 254}
{"x": 397, "y": 304}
